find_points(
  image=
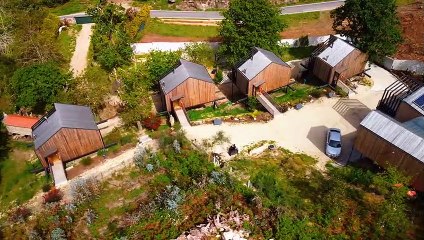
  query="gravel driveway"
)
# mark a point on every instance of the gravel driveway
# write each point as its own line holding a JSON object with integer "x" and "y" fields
{"x": 79, "y": 59}
{"x": 304, "y": 130}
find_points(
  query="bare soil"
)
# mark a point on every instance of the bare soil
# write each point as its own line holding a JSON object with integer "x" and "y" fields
{"x": 412, "y": 19}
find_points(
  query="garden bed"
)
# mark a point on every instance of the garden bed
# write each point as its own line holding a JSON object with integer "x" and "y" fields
{"x": 226, "y": 109}
{"x": 256, "y": 116}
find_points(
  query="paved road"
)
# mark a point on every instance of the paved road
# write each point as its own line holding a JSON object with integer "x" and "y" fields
{"x": 213, "y": 15}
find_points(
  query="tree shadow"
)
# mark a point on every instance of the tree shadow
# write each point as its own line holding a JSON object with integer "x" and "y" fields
{"x": 352, "y": 110}
{"x": 4, "y": 145}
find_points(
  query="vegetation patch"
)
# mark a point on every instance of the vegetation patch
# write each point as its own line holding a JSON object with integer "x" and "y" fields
{"x": 73, "y": 6}
{"x": 294, "y": 53}
{"x": 301, "y": 93}
{"x": 155, "y": 26}
{"x": 226, "y": 109}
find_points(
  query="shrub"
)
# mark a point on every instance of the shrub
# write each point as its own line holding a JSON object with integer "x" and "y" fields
{"x": 84, "y": 189}
{"x": 219, "y": 76}
{"x": 90, "y": 216}
{"x": 20, "y": 215}
{"x": 102, "y": 152}
{"x": 58, "y": 234}
{"x": 47, "y": 187}
{"x": 252, "y": 103}
{"x": 86, "y": 161}
{"x": 152, "y": 122}
{"x": 54, "y": 195}
{"x": 317, "y": 93}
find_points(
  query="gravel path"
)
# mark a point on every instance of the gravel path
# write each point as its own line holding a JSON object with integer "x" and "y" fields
{"x": 304, "y": 130}
{"x": 79, "y": 59}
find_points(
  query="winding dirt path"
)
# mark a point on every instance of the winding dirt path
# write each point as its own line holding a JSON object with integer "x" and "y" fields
{"x": 79, "y": 59}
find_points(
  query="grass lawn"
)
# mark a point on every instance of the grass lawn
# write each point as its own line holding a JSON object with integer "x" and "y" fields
{"x": 17, "y": 184}
{"x": 73, "y": 6}
{"x": 293, "y": 53}
{"x": 67, "y": 40}
{"x": 175, "y": 30}
{"x": 300, "y": 94}
{"x": 301, "y": 18}
{"x": 221, "y": 111}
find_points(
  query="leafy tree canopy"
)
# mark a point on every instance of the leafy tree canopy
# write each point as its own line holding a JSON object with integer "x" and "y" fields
{"x": 249, "y": 23}
{"x": 111, "y": 43}
{"x": 371, "y": 25}
{"x": 37, "y": 86}
{"x": 159, "y": 63}
{"x": 201, "y": 53}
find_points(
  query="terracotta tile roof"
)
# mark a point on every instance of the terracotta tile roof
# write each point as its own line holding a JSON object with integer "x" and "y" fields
{"x": 19, "y": 121}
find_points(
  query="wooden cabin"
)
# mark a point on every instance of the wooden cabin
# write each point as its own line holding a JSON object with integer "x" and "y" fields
{"x": 263, "y": 71}
{"x": 19, "y": 125}
{"x": 389, "y": 142}
{"x": 188, "y": 85}
{"x": 65, "y": 133}
{"x": 337, "y": 59}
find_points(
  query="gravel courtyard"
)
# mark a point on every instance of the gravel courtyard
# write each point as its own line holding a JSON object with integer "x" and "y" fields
{"x": 304, "y": 130}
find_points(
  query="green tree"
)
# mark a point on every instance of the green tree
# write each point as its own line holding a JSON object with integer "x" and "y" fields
{"x": 137, "y": 21}
{"x": 371, "y": 25}
{"x": 111, "y": 43}
{"x": 135, "y": 95}
{"x": 37, "y": 86}
{"x": 158, "y": 63}
{"x": 201, "y": 53}
{"x": 249, "y": 23}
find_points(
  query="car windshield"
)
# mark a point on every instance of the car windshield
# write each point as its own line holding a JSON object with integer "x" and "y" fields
{"x": 335, "y": 144}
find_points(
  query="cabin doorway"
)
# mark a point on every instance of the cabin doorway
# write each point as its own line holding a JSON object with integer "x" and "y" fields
{"x": 177, "y": 104}
{"x": 258, "y": 88}
{"x": 336, "y": 77}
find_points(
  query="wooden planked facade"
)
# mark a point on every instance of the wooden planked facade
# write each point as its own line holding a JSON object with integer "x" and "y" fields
{"x": 353, "y": 64}
{"x": 273, "y": 76}
{"x": 406, "y": 112}
{"x": 192, "y": 92}
{"x": 69, "y": 144}
{"x": 386, "y": 154}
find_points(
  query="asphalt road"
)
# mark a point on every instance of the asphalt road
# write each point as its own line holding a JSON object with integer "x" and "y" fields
{"x": 213, "y": 15}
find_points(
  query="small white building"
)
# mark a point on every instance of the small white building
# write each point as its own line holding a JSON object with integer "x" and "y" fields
{"x": 19, "y": 125}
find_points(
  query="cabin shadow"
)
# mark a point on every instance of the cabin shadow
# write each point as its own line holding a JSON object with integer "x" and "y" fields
{"x": 158, "y": 102}
{"x": 231, "y": 91}
{"x": 352, "y": 110}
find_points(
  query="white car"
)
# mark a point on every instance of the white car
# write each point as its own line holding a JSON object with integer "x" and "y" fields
{"x": 333, "y": 147}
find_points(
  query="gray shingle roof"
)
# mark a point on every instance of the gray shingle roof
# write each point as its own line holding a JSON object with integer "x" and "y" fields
{"x": 258, "y": 61}
{"x": 62, "y": 116}
{"x": 406, "y": 136}
{"x": 336, "y": 52}
{"x": 411, "y": 98}
{"x": 181, "y": 73}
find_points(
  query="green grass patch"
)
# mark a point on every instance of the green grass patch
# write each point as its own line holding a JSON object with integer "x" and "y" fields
{"x": 73, "y": 6}
{"x": 292, "y": 53}
{"x": 220, "y": 111}
{"x": 17, "y": 183}
{"x": 300, "y": 94}
{"x": 67, "y": 41}
{"x": 164, "y": 29}
{"x": 405, "y": 2}
{"x": 299, "y": 18}
{"x": 157, "y": 4}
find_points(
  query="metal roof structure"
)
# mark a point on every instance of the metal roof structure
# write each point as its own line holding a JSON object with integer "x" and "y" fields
{"x": 336, "y": 52}
{"x": 408, "y": 136}
{"x": 62, "y": 116}
{"x": 258, "y": 61}
{"x": 182, "y": 72}
{"x": 413, "y": 100}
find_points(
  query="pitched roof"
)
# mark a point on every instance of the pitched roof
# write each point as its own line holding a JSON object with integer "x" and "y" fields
{"x": 336, "y": 52}
{"x": 19, "y": 121}
{"x": 62, "y": 116}
{"x": 182, "y": 72}
{"x": 258, "y": 61}
{"x": 411, "y": 98}
{"x": 408, "y": 136}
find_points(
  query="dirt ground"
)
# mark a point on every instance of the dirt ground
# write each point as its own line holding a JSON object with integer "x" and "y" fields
{"x": 412, "y": 19}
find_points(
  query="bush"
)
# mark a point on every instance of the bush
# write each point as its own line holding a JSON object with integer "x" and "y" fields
{"x": 219, "y": 76}
{"x": 152, "y": 122}
{"x": 86, "y": 161}
{"x": 252, "y": 103}
{"x": 58, "y": 234}
{"x": 317, "y": 93}
{"x": 20, "y": 215}
{"x": 47, "y": 187}
{"x": 84, "y": 189}
{"x": 54, "y": 195}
